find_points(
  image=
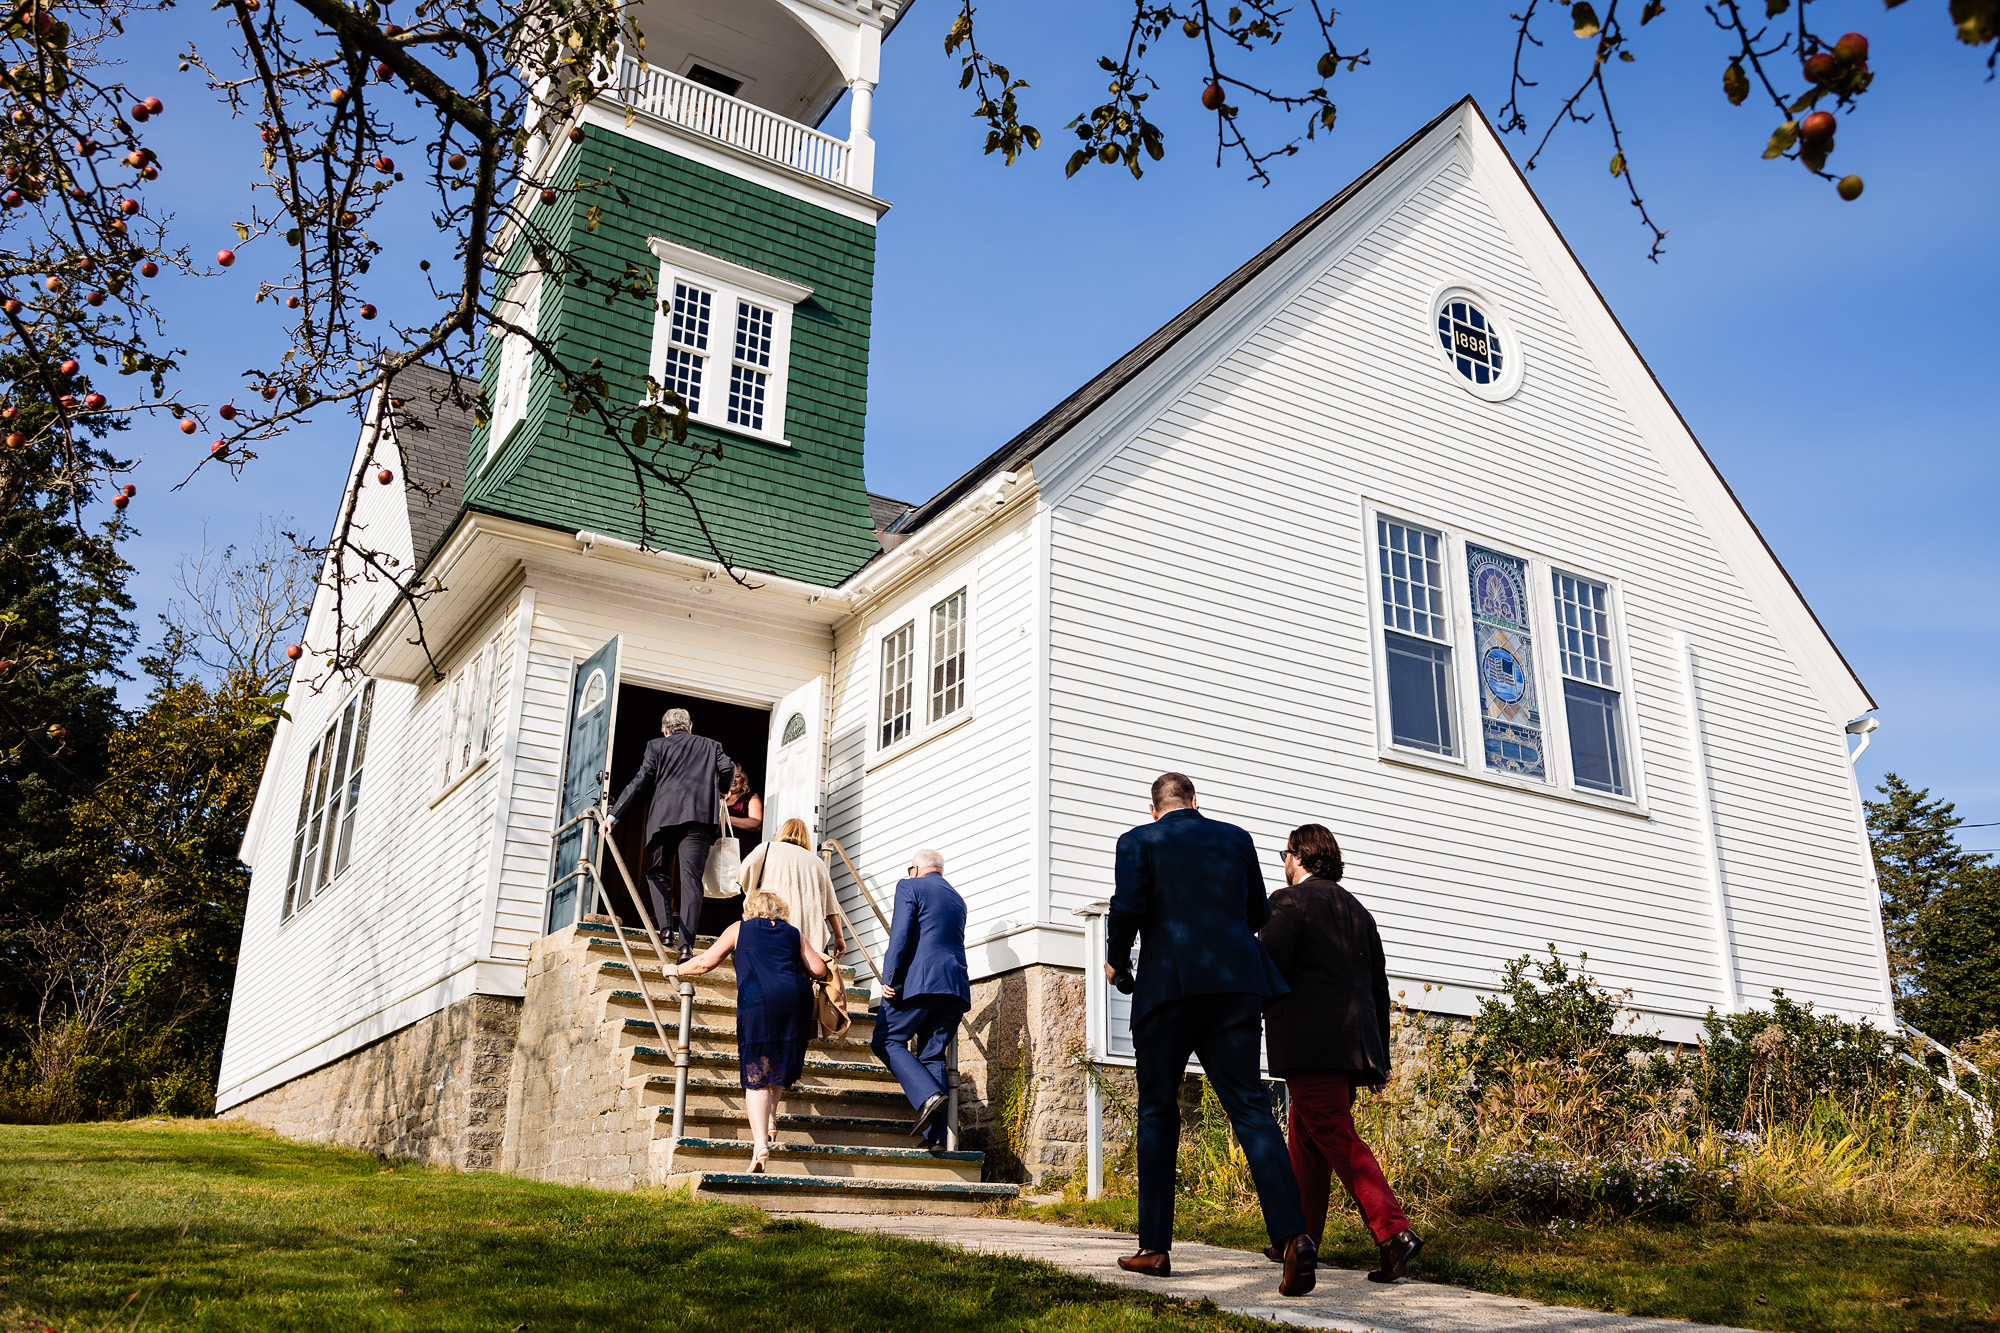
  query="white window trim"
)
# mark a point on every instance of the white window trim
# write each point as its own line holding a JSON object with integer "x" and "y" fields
{"x": 917, "y": 609}
{"x": 329, "y": 842}
{"x": 1469, "y": 763}
{"x": 517, "y": 362}
{"x": 484, "y": 660}
{"x": 1512, "y": 362}
{"x": 728, "y": 282}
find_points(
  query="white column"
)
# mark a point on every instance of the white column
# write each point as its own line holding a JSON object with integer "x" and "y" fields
{"x": 1096, "y": 1026}
{"x": 1709, "y": 839}
{"x": 860, "y": 147}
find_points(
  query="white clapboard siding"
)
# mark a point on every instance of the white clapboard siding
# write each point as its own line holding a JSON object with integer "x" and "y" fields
{"x": 405, "y": 916}
{"x": 1208, "y": 612}
{"x": 705, "y": 645}
{"x": 969, "y": 792}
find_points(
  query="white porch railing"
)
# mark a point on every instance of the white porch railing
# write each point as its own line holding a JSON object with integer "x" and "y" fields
{"x": 667, "y": 96}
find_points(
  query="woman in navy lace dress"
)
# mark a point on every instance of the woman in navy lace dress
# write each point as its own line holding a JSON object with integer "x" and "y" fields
{"x": 775, "y": 966}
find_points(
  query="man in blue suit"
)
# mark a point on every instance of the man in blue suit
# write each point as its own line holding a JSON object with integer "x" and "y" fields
{"x": 1190, "y": 891}
{"x": 925, "y": 991}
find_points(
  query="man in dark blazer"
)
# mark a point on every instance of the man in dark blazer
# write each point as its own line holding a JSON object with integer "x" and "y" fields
{"x": 925, "y": 991}
{"x": 1189, "y": 889}
{"x": 1329, "y": 1036}
{"x": 685, "y": 776}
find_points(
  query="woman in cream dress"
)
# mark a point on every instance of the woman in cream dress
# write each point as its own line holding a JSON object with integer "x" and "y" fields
{"x": 789, "y": 869}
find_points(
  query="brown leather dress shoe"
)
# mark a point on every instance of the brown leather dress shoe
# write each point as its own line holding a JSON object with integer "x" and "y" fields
{"x": 1275, "y": 1253}
{"x": 1153, "y": 1263}
{"x": 1301, "y": 1266}
{"x": 1397, "y": 1251}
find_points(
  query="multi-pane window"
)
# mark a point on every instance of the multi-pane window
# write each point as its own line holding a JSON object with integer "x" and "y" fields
{"x": 523, "y": 309}
{"x": 1416, "y": 637}
{"x": 323, "y": 842}
{"x": 899, "y": 649}
{"x": 687, "y": 343}
{"x": 1590, "y": 687}
{"x": 468, "y": 718}
{"x": 948, "y": 656}
{"x": 750, "y": 372}
{"x": 722, "y": 339}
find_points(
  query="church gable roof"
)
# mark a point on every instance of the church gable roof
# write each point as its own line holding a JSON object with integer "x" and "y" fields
{"x": 1548, "y": 252}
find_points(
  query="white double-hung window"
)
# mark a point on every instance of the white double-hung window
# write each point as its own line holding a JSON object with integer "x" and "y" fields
{"x": 1416, "y": 637}
{"x": 522, "y": 308}
{"x": 1590, "y": 684}
{"x": 468, "y": 730}
{"x": 1475, "y": 640}
{"x": 923, "y": 661}
{"x": 722, "y": 340}
{"x": 323, "y": 840}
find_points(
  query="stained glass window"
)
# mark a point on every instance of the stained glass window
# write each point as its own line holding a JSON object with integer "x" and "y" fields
{"x": 1510, "y": 714}
{"x": 1471, "y": 341}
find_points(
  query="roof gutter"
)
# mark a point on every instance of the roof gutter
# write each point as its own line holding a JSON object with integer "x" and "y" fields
{"x": 713, "y": 571}
{"x": 945, "y": 530}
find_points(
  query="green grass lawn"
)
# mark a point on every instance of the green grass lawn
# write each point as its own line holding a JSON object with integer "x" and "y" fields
{"x": 191, "y": 1225}
{"x": 1836, "y": 1279}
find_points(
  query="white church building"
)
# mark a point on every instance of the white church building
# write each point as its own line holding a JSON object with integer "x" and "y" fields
{"x": 1393, "y": 530}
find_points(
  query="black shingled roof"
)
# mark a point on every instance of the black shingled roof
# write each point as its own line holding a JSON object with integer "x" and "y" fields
{"x": 431, "y": 419}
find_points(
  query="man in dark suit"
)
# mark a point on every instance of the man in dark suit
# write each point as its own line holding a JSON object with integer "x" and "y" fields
{"x": 685, "y": 776}
{"x": 1189, "y": 889}
{"x": 925, "y": 991}
{"x": 1331, "y": 1035}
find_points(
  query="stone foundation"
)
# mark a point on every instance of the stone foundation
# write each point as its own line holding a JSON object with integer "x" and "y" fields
{"x": 569, "y": 1102}
{"x": 435, "y": 1092}
{"x": 1021, "y": 1094}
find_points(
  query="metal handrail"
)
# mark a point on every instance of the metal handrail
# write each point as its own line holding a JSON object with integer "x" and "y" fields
{"x": 685, "y": 1036}
{"x": 859, "y": 882}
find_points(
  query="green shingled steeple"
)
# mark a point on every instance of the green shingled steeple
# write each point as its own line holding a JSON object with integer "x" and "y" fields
{"x": 801, "y": 511}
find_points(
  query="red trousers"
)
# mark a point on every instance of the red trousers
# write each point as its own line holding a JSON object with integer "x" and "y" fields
{"x": 1324, "y": 1145}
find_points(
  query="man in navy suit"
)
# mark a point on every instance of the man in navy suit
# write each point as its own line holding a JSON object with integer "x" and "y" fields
{"x": 925, "y": 990}
{"x": 1190, "y": 891}
{"x": 682, "y": 780}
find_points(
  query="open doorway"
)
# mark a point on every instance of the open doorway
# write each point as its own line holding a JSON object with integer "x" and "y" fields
{"x": 743, "y": 732}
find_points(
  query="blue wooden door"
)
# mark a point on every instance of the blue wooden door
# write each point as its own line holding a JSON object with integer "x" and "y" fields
{"x": 593, "y": 698}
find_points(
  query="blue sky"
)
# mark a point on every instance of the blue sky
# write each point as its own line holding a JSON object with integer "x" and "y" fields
{"x": 1836, "y": 360}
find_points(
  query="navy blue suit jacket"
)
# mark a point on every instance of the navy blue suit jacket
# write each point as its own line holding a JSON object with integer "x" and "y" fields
{"x": 1190, "y": 890}
{"x": 926, "y": 954}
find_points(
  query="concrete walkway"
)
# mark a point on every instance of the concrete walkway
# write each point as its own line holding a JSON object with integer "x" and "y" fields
{"x": 1245, "y": 1283}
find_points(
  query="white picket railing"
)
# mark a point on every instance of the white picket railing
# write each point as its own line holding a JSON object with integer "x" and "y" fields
{"x": 667, "y": 96}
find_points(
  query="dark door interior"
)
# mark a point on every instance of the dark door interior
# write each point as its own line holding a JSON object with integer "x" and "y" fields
{"x": 744, "y": 734}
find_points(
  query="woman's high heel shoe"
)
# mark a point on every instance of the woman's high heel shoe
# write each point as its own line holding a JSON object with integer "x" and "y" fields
{"x": 757, "y": 1161}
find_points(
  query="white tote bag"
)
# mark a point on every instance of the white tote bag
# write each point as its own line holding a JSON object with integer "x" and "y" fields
{"x": 718, "y": 878}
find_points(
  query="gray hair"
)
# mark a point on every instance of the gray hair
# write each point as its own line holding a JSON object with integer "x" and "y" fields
{"x": 676, "y": 719}
{"x": 928, "y": 860}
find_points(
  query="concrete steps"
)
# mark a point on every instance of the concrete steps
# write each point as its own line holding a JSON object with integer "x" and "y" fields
{"x": 845, "y": 1194}
{"x": 843, "y": 1141}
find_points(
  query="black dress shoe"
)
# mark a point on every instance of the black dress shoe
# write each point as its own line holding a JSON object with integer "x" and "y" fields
{"x": 929, "y": 1113}
{"x": 1152, "y": 1263}
{"x": 686, "y": 952}
{"x": 1301, "y": 1266}
{"x": 1397, "y": 1251}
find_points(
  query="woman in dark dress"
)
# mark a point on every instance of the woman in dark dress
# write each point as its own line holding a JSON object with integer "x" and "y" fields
{"x": 775, "y": 968}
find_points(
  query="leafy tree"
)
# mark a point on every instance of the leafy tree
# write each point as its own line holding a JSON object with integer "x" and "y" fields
{"x": 1940, "y": 913}
{"x": 63, "y": 629}
{"x": 128, "y": 975}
